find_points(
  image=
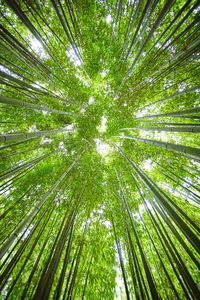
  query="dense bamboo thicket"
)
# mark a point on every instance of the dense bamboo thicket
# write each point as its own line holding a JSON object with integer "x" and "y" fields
{"x": 99, "y": 192}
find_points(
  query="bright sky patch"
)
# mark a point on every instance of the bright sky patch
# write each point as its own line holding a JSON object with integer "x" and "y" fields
{"x": 102, "y": 148}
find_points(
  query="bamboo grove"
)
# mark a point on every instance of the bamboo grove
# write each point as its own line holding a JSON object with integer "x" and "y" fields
{"x": 99, "y": 192}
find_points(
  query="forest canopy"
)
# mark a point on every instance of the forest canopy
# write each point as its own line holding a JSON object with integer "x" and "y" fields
{"x": 99, "y": 116}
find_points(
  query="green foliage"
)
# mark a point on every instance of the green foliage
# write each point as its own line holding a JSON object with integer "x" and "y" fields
{"x": 99, "y": 150}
